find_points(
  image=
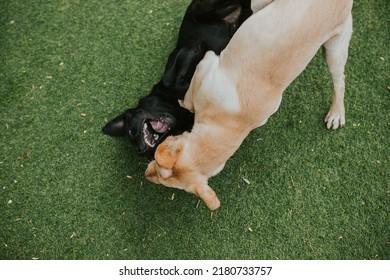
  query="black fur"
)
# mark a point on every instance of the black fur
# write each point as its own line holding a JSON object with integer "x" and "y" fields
{"x": 207, "y": 25}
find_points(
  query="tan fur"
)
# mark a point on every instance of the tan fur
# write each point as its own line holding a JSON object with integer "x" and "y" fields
{"x": 238, "y": 91}
{"x": 257, "y": 5}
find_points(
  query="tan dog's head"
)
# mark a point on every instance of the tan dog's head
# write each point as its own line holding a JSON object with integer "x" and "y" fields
{"x": 173, "y": 167}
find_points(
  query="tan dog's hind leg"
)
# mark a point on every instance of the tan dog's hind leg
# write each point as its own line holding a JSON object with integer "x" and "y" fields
{"x": 336, "y": 54}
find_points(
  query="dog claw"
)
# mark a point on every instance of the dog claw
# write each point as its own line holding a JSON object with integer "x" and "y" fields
{"x": 334, "y": 121}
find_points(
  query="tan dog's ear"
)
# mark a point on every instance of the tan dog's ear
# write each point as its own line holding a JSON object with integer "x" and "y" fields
{"x": 166, "y": 155}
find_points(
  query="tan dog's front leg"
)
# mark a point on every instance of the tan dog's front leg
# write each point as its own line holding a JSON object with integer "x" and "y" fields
{"x": 207, "y": 194}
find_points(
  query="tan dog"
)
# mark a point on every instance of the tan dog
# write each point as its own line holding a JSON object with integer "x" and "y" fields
{"x": 238, "y": 91}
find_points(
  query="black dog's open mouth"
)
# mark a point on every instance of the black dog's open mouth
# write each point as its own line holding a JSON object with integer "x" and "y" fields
{"x": 154, "y": 130}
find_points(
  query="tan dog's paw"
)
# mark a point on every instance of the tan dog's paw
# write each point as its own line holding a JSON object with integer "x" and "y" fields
{"x": 335, "y": 118}
{"x": 207, "y": 195}
{"x": 213, "y": 204}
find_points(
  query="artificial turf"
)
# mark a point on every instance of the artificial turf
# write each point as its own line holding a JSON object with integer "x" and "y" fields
{"x": 295, "y": 190}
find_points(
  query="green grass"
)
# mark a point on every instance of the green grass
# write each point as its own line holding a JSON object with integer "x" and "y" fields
{"x": 66, "y": 67}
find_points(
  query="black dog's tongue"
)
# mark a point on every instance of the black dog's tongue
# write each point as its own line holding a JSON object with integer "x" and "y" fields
{"x": 159, "y": 126}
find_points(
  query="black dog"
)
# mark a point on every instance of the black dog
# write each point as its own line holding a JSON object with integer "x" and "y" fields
{"x": 207, "y": 25}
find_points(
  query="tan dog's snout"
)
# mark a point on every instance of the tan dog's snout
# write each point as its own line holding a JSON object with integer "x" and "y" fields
{"x": 151, "y": 173}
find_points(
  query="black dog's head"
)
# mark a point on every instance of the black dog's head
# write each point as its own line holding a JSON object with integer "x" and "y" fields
{"x": 150, "y": 123}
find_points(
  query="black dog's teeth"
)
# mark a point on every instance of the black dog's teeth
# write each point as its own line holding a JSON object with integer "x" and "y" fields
{"x": 148, "y": 142}
{"x": 154, "y": 137}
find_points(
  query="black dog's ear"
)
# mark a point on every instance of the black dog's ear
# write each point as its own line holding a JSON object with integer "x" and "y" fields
{"x": 116, "y": 127}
